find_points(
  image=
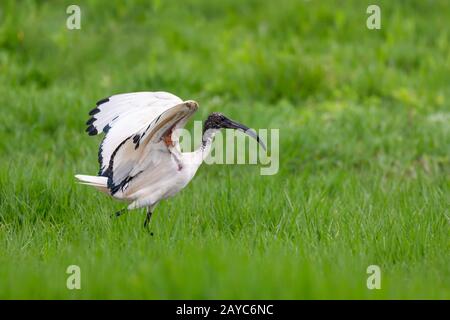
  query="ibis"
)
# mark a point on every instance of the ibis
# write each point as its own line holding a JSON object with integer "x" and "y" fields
{"x": 140, "y": 158}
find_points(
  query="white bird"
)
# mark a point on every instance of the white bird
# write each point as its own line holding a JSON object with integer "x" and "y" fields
{"x": 140, "y": 157}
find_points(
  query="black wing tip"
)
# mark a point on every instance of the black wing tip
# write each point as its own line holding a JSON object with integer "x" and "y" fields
{"x": 100, "y": 158}
{"x": 136, "y": 140}
{"x": 90, "y": 121}
{"x": 109, "y": 171}
{"x": 99, "y": 102}
{"x": 106, "y": 128}
{"x": 94, "y": 111}
{"x": 92, "y": 130}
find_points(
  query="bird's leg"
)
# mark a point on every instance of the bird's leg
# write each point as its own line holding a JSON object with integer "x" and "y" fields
{"x": 148, "y": 217}
{"x": 119, "y": 213}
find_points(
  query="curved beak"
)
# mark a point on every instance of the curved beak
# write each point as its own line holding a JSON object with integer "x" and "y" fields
{"x": 231, "y": 124}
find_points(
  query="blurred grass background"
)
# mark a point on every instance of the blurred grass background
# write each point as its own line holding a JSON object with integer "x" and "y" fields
{"x": 364, "y": 149}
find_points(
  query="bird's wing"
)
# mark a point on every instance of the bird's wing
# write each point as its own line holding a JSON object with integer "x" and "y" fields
{"x": 141, "y": 151}
{"x": 122, "y": 115}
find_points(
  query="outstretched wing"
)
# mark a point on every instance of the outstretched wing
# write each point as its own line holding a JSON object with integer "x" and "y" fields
{"x": 122, "y": 115}
{"x": 145, "y": 149}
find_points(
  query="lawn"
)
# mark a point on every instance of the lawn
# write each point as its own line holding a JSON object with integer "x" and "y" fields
{"x": 364, "y": 119}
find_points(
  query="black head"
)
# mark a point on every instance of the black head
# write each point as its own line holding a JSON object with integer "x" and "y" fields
{"x": 217, "y": 120}
{"x": 214, "y": 121}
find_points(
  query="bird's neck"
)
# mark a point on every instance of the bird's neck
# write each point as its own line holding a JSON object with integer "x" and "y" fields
{"x": 196, "y": 157}
{"x": 207, "y": 140}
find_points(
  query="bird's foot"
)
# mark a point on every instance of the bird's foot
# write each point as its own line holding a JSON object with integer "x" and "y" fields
{"x": 119, "y": 213}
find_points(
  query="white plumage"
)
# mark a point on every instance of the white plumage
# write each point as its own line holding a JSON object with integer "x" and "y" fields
{"x": 140, "y": 157}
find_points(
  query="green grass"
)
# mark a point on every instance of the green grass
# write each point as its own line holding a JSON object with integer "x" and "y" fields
{"x": 364, "y": 149}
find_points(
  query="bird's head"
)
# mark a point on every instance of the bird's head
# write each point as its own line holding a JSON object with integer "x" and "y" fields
{"x": 217, "y": 121}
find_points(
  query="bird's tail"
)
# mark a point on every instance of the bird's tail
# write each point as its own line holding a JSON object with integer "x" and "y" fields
{"x": 101, "y": 183}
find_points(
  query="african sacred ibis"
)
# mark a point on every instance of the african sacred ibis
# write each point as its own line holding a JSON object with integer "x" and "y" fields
{"x": 140, "y": 158}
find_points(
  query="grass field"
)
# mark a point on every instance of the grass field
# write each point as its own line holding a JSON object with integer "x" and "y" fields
{"x": 364, "y": 119}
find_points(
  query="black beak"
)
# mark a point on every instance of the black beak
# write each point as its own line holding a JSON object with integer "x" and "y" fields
{"x": 230, "y": 124}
